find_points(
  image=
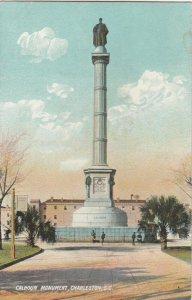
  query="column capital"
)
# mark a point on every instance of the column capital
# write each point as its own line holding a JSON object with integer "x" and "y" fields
{"x": 100, "y": 58}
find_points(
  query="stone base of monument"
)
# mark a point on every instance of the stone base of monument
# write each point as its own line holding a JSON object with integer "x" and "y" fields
{"x": 99, "y": 217}
{"x": 99, "y": 209}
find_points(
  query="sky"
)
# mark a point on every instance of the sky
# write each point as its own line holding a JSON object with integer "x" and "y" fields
{"x": 47, "y": 92}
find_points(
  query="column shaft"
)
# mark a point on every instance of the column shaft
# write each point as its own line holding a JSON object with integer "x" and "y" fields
{"x": 100, "y": 111}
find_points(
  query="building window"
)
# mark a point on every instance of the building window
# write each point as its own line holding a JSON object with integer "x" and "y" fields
{"x": 44, "y": 207}
{"x": 133, "y": 207}
{"x": 55, "y": 224}
{"x": 44, "y": 216}
{"x": 65, "y": 208}
{"x": 34, "y": 207}
{"x": 123, "y": 206}
{"x": 7, "y": 214}
{"x": 75, "y": 207}
{"x": 55, "y": 207}
{"x": 8, "y": 222}
{"x": 55, "y": 217}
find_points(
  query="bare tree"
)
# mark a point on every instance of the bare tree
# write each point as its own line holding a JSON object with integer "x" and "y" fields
{"x": 12, "y": 157}
{"x": 183, "y": 175}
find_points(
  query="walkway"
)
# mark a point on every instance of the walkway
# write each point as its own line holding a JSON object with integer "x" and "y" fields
{"x": 92, "y": 271}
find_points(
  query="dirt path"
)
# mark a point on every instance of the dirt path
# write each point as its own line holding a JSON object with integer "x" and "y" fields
{"x": 114, "y": 271}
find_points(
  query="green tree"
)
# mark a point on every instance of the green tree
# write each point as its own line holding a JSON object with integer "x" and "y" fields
{"x": 167, "y": 215}
{"x": 30, "y": 223}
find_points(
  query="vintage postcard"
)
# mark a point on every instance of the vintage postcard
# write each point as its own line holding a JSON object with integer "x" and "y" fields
{"x": 95, "y": 150}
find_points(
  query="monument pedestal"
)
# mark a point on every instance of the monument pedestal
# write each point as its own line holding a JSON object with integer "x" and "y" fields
{"x": 99, "y": 209}
{"x": 99, "y": 186}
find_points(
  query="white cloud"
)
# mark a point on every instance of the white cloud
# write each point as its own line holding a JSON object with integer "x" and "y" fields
{"x": 65, "y": 115}
{"x": 50, "y": 132}
{"x": 34, "y": 107}
{"x": 54, "y": 136}
{"x": 42, "y": 45}
{"x": 46, "y": 117}
{"x": 60, "y": 132}
{"x": 153, "y": 88}
{"x": 116, "y": 113}
{"x": 24, "y": 110}
{"x": 72, "y": 164}
{"x": 60, "y": 90}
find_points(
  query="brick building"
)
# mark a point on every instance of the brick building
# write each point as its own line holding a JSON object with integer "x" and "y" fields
{"x": 60, "y": 211}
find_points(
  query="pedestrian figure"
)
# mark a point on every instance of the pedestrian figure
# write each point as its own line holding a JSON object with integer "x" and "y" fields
{"x": 93, "y": 234}
{"x": 139, "y": 238}
{"x": 133, "y": 238}
{"x": 102, "y": 237}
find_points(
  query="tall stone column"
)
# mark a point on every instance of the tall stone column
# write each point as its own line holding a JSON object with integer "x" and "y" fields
{"x": 100, "y": 177}
{"x": 99, "y": 209}
{"x": 100, "y": 61}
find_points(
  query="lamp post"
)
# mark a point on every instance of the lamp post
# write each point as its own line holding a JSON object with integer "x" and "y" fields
{"x": 13, "y": 225}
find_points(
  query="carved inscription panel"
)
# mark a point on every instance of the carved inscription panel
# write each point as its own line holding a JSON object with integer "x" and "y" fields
{"x": 99, "y": 185}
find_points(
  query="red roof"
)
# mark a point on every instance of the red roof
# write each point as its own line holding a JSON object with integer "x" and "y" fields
{"x": 52, "y": 200}
{"x": 64, "y": 201}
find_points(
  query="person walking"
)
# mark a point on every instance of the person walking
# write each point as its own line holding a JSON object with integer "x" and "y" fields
{"x": 102, "y": 237}
{"x": 133, "y": 238}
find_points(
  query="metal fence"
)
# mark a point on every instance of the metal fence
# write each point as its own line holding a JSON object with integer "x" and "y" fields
{"x": 83, "y": 234}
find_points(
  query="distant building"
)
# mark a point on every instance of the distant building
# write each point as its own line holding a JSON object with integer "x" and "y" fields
{"x": 5, "y": 219}
{"x": 21, "y": 203}
{"x": 60, "y": 211}
{"x": 132, "y": 209}
{"x": 36, "y": 203}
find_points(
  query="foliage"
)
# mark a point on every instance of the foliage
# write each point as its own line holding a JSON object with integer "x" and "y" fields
{"x": 30, "y": 223}
{"x": 166, "y": 215}
{"x": 19, "y": 222}
{"x": 12, "y": 157}
{"x": 47, "y": 232}
{"x": 7, "y": 233}
{"x": 183, "y": 176}
{"x": 149, "y": 229}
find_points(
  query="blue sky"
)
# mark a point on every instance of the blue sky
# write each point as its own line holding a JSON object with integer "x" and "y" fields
{"x": 47, "y": 91}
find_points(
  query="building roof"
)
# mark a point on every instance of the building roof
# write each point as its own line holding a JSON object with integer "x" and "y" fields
{"x": 35, "y": 201}
{"x": 51, "y": 200}
{"x": 76, "y": 201}
{"x": 129, "y": 201}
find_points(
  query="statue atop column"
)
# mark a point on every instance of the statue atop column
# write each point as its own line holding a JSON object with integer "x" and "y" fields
{"x": 100, "y": 32}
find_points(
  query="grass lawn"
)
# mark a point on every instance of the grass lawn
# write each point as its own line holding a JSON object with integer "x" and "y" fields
{"x": 183, "y": 253}
{"x": 21, "y": 250}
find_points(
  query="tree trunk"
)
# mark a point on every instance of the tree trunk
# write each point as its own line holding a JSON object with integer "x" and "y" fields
{"x": 163, "y": 241}
{"x": 1, "y": 247}
{"x": 31, "y": 239}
